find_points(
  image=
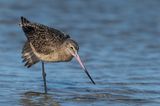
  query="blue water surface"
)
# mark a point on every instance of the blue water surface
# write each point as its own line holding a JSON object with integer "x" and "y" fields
{"x": 119, "y": 43}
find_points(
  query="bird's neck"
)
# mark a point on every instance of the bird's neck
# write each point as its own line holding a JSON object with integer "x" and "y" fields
{"x": 64, "y": 55}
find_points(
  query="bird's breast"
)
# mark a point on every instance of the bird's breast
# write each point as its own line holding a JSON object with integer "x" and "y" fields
{"x": 57, "y": 56}
{"x": 54, "y": 57}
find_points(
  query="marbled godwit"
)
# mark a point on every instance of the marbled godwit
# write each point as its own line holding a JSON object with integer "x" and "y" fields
{"x": 47, "y": 44}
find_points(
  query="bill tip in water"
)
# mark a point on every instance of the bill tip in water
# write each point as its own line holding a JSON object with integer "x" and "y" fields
{"x": 93, "y": 82}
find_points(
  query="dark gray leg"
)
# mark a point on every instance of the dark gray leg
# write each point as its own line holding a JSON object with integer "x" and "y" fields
{"x": 44, "y": 78}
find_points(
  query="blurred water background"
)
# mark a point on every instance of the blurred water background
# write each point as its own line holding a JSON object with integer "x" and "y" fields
{"x": 119, "y": 43}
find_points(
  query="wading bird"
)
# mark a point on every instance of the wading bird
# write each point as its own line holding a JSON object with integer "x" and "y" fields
{"x": 47, "y": 44}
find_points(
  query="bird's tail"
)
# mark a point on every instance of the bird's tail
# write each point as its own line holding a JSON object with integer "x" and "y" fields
{"x": 24, "y": 22}
{"x": 27, "y": 26}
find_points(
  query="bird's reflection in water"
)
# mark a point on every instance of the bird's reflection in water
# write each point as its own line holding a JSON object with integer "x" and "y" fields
{"x": 37, "y": 99}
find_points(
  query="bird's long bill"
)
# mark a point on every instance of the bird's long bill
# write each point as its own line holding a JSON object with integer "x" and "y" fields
{"x": 82, "y": 65}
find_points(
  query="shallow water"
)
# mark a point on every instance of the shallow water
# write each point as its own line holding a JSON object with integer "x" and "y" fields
{"x": 119, "y": 43}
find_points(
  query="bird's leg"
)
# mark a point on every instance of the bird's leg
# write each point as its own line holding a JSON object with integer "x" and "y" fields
{"x": 44, "y": 77}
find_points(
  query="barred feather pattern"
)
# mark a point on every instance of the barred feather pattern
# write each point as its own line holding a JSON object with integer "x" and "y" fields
{"x": 29, "y": 58}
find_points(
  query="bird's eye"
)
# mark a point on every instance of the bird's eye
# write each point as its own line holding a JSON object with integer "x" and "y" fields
{"x": 72, "y": 48}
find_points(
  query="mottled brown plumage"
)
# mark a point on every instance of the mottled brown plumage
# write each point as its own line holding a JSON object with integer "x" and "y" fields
{"x": 47, "y": 45}
{"x": 44, "y": 43}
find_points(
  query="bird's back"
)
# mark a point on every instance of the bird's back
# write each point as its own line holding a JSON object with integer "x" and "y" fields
{"x": 41, "y": 36}
{"x": 42, "y": 39}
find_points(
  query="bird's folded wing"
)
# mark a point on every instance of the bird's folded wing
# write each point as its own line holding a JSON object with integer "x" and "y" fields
{"x": 43, "y": 38}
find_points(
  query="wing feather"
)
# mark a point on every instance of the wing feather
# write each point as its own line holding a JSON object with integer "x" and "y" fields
{"x": 43, "y": 38}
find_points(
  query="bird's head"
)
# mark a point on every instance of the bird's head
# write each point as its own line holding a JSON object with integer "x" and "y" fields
{"x": 72, "y": 49}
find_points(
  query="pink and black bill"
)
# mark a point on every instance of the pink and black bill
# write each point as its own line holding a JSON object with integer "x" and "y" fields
{"x": 82, "y": 65}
